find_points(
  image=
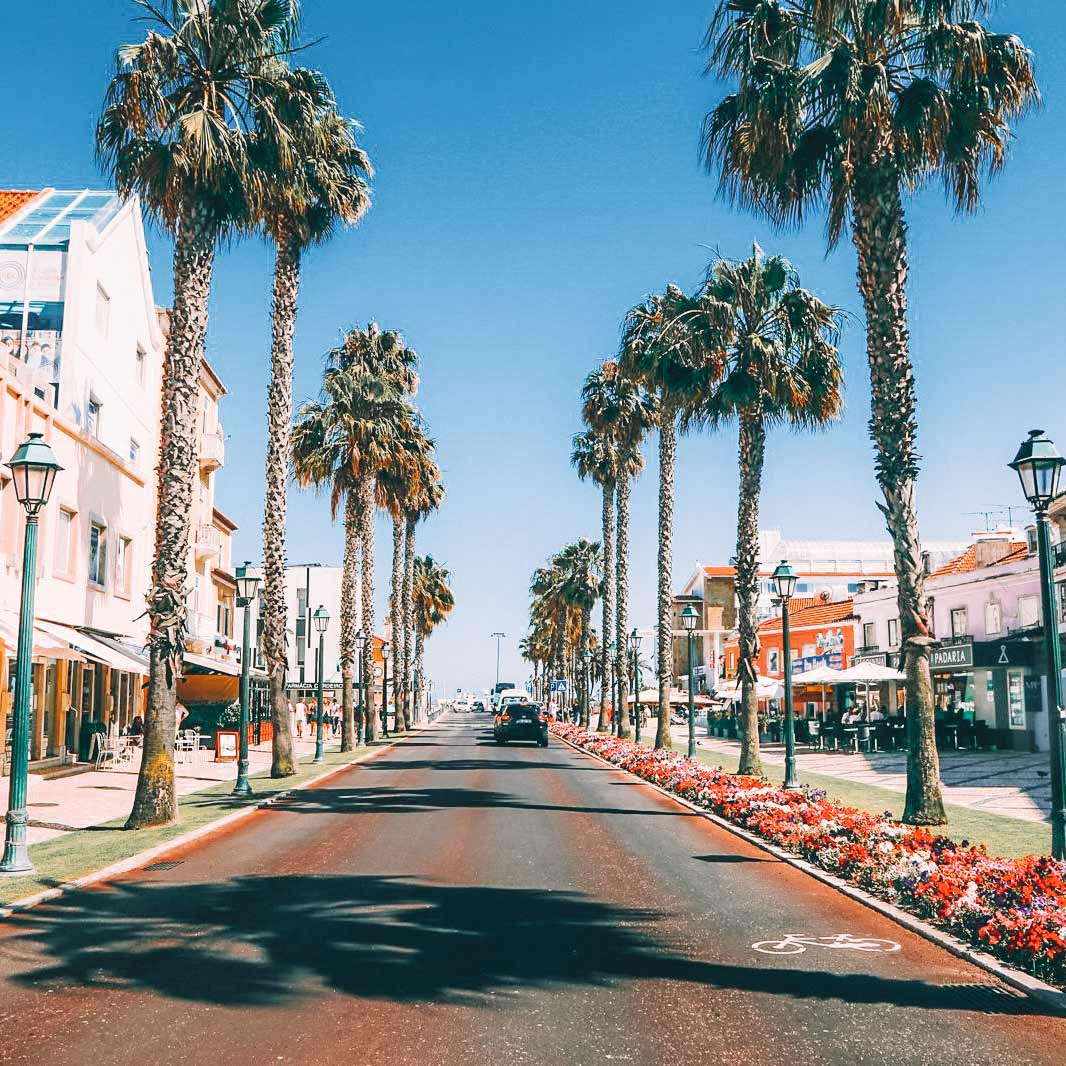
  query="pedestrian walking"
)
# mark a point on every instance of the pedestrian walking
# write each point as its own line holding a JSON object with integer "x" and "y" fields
{"x": 301, "y": 716}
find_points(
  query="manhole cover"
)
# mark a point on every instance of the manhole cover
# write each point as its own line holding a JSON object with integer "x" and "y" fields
{"x": 157, "y": 866}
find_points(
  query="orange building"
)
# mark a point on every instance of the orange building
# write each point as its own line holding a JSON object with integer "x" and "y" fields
{"x": 822, "y": 633}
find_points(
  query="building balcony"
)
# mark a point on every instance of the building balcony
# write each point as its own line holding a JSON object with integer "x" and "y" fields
{"x": 208, "y": 540}
{"x": 212, "y": 450}
{"x": 1059, "y": 552}
{"x": 33, "y": 363}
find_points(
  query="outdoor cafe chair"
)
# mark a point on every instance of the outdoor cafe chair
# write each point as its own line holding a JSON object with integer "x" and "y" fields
{"x": 815, "y": 737}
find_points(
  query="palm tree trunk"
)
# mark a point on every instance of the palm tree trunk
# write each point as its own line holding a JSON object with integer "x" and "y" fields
{"x": 880, "y": 236}
{"x": 419, "y": 679}
{"x": 366, "y": 541}
{"x": 621, "y": 665}
{"x": 667, "y": 466}
{"x": 155, "y": 801}
{"x": 410, "y": 710}
{"x": 607, "y": 625}
{"x": 279, "y": 424}
{"x": 396, "y": 621}
{"x": 752, "y": 452}
{"x": 349, "y": 622}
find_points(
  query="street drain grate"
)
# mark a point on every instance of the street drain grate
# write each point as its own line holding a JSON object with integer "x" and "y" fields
{"x": 988, "y": 999}
{"x": 158, "y": 866}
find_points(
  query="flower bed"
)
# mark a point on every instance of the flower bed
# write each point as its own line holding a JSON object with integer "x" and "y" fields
{"x": 1014, "y": 909}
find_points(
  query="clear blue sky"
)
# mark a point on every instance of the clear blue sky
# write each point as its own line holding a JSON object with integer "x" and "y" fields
{"x": 537, "y": 174}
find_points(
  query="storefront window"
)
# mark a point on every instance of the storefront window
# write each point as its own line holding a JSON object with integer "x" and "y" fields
{"x": 1015, "y": 700}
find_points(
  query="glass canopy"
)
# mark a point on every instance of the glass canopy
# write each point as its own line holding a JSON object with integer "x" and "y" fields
{"x": 48, "y": 223}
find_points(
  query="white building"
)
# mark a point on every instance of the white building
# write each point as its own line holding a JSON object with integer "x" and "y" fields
{"x": 307, "y": 587}
{"x": 81, "y": 355}
{"x": 988, "y": 662}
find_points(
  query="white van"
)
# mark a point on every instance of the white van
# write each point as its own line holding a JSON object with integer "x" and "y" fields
{"x": 511, "y": 695}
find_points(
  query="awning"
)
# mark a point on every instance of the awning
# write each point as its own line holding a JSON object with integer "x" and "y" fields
{"x": 45, "y": 646}
{"x": 93, "y": 648}
{"x": 211, "y": 666}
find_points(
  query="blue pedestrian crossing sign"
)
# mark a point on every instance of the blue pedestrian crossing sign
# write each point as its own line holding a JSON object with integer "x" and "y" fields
{"x": 557, "y": 686}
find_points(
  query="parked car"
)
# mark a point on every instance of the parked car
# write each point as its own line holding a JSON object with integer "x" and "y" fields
{"x": 521, "y": 721}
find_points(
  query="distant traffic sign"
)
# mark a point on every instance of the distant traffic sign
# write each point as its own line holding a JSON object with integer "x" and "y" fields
{"x": 557, "y": 686}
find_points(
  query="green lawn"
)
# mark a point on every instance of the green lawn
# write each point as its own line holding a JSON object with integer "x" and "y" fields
{"x": 75, "y": 854}
{"x": 1009, "y": 837}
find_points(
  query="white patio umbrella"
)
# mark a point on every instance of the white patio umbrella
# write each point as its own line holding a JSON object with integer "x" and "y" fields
{"x": 818, "y": 675}
{"x": 869, "y": 674}
{"x": 766, "y": 688}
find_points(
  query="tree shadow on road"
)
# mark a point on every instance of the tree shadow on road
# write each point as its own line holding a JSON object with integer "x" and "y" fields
{"x": 262, "y": 941}
{"x": 398, "y": 800}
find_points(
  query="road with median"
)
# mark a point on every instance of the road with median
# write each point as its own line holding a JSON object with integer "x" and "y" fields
{"x": 454, "y": 901}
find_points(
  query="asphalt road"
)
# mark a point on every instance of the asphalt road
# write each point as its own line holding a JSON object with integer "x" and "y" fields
{"x": 458, "y": 902}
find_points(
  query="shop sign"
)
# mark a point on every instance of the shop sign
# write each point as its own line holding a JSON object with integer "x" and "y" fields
{"x": 952, "y": 657}
{"x": 1034, "y": 694}
{"x": 1003, "y": 653}
{"x": 834, "y": 660}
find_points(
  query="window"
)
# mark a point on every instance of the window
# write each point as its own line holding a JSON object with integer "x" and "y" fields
{"x": 993, "y": 619}
{"x": 853, "y": 587}
{"x": 931, "y": 614}
{"x": 1028, "y": 611}
{"x": 123, "y": 565}
{"x": 64, "y": 540}
{"x": 1032, "y": 543}
{"x": 803, "y": 588}
{"x": 223, "y": 619}
{"x": 97, "y": 554}
{"x": 103, "y": 311}
{"x": 301, "y": 650}
{"x": 893, "y": 632}
{"x": 141, "y": 365}
{"x": 869, "y": 634}
{"x": 1015, "y": 699}
{"x": 135, "y": 452}
{"x": 92, "y": 417}
{"x": 1062, "y": 602}
{"x": 958, "y": 622}
{"x": 773, "y": 658}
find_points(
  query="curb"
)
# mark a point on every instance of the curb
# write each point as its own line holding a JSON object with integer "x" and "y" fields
{"x": 143, "y": 858}
{"x": 1048, "y": 995}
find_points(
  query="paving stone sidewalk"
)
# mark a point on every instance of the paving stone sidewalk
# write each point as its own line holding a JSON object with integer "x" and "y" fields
{"x": 1014, "y": 784}
{"x": 66, "y": 804}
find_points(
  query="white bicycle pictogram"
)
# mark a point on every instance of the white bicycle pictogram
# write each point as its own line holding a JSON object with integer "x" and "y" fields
{"x": 797, "y": 944}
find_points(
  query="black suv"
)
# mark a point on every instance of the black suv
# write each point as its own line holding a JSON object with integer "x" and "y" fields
{"x": 521, "y": 721}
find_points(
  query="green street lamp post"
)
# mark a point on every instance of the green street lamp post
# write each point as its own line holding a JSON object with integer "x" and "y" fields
{"x": 1038, "y": 465}
{"x": 634, "y": 654}
{"x": 360, "y": 644}
{"x": 247, "y": 587}
{"x": 33, "y": 470}
{"x": 689, "y": 617}
{"x": 321, "y": 619}
{"x": 385, "y": 650}
{"x": 784, "y": 580}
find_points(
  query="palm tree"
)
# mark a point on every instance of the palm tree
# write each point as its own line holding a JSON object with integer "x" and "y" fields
{"x": 319, "y": 182}
{"x": 615, "y": 405}
{"x": 581, "y": 569}
{"x": 426, "y": 497}
{"x": 782, "y": 365}
{"x": 433, "y": 601}
{"x": 679, "y": 371}
{"x": 594, "y": 458}
{"x": 339, "y": 443}
{"x": 852, "y": 103}
{"x": 399, "y": 484}
{"x": 174, "y": 131}
{"x": 378, "y": 353}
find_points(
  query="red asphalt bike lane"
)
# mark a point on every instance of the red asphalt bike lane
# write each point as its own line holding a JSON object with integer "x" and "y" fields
{"x": 453, "y": 901}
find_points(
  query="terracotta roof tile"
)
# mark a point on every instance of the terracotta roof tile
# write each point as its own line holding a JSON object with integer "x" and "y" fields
{"x": 967, "y": 562}
{"x": 14, "y": 200}
{"x": 822, "y": 615}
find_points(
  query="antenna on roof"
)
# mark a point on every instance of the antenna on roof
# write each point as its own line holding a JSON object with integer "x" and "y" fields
{"x": 987, "y": 515}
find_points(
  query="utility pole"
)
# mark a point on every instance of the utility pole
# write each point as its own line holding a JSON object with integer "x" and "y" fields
{"x": 499, "y": 637}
